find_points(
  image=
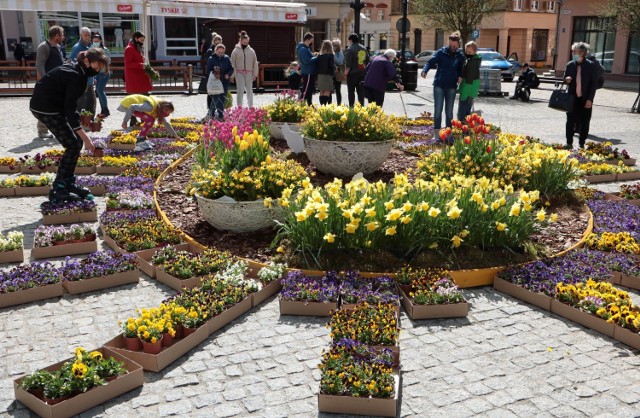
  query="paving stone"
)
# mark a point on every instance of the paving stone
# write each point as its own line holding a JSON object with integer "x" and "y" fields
{"x": 146, "y": 400}
{"x": 227, "y": 410}
{"x": 175, "y": 408}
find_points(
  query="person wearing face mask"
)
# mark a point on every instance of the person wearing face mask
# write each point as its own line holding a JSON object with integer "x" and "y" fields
{"x": 88, "y": 100}
{"x": 581, "y": 76}
{"x": 102, "y": 79}
{"x": 215, "y": 41}
{"x": 449, "y": 60}
{"x": 220, "y": 63}
{"x": 54, "y": 104}
{"x": 245, "y": 66}
{"x": 148, "y": 109}
{"x": 136, "y": 80}
{"x": 470, "y": 85}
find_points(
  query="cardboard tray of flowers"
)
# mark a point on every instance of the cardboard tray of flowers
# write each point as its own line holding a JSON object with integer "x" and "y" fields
{"x": 102, "y": 282}
{"x": 71, "y": 218}
{"x": 83, "y": 401}
{"x": 15, "y": 256}
{"x": 228, "y": 315}
{"x": 64, "y": 249}
{"x": 121, "y": 146}
{"x": 144, "y": 256}
{"x": 32, "y": 191}
{"x": 157, "y": 362}
{"x": 268, "y": 289}
{"x": 290, "y": 307}
{"x": 450, "y": 310}
{"x": 361, "y": 406}
{"x": 31, "y": 295}
{"x": 537, "y": 299}
{"x": 583, "y": 318}
{"x": 110, "y": 170}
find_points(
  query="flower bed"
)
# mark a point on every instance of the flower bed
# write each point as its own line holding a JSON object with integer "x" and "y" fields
{"x": 58, "y": 241}
{"x": 605, "y": 152}
{"x": 311, "y": 296}
{"x": 358, "y": 380}
{"x": 80, "y": 383}
{"x": 101, "y": 270}
{"x": 355, "y": 290}
{"x": 28, "y": 283}
{"x": 69, "y": 212}
{"x": 615, "y": 216}
{"x": 428, "y": 294}
{"x": 35, "y": 185}
{"x": 132, "y": 199}
{"x": 631, "y": 193}
{"x": 95, "y": 184}
{"x": 39, "y": 163}
{"x": 115, "y": 165}
{"x": 12, "y": 247}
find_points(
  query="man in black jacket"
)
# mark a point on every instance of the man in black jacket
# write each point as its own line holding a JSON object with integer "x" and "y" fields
{"x": 356, "y": 59}
{"x": 527, "y": 80}
{"x": 581, "y": 76}
{"x": 54, "y": 104}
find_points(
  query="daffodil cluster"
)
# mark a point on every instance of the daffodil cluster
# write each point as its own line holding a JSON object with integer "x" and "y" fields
{"x": 287, "y": 108}
{"x": 86, "y": 370}
{"x": 351, "y": 368}
{"x": 356, "y": 124}
{"x": 621, "y": 242}
{"x": 408, "y": 217}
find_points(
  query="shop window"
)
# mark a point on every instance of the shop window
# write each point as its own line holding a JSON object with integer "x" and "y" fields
{"x": 633, "y": 57}
{"x": 67, "y": 20}
{"x": 118, "y": 30}
{"x": 600, "y": 34}
{"x": 539, "y": 45}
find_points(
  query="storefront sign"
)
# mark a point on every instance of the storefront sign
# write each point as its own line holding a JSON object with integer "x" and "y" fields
{"x": 311, "y": 11}
{"x": 291, "y": 16}
{"x": 566, "y": 11}
{"x": 125, "y": 8}
{"x": 174, "y": 10}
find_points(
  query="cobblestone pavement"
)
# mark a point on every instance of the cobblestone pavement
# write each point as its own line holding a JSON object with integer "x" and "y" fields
{"x": 506, "y": 358}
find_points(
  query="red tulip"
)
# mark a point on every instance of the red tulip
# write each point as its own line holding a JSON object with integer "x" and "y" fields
{"x": 489, "y": 149}
{"x": 467, "y": 140}
{"x": 465, "y": 128}
{"x": 443, "y": 134}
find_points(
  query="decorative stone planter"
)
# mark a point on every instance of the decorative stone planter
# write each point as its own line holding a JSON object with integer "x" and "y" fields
{"x": 225, "y": 214}
{"x": 344, "y": 159}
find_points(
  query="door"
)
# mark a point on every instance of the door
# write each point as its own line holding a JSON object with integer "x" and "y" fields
{"x": 417, "y": 46}
{"x": 3, "y": 55}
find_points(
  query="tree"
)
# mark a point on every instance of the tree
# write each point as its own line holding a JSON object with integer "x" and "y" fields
{"x": 626, "y": 13}
{"x": 462, "y": 15}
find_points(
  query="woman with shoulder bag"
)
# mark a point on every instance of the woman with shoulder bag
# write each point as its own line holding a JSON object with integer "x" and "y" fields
{"x": 339, "y": 77}
{"x": 219, "y": 66}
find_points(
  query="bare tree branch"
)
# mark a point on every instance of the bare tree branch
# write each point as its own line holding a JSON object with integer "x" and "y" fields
{"x": 626, "y": 13}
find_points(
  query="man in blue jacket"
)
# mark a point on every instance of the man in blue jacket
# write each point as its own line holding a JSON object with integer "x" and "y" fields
{"x": 449, "y": 60}
{"x": 307, "y": 67}
{"x": 88, "y": 100}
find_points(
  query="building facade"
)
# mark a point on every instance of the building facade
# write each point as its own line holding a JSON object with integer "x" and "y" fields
{"x": 617, "y": 49}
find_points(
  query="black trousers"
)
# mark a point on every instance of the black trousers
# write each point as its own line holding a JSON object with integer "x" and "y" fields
{"x": 72, "y": 144}
{"x": 354, "y": 85}
{"x": 581, "y": 117}
{"x": 375, "y": 96}
{"x": 337, "y": 86}
{"x": 308, "y": 87}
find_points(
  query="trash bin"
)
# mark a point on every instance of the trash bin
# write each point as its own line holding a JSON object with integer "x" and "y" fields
{"x": 410, "y": 76}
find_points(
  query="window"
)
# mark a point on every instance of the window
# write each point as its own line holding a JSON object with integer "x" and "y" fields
{"x": 380, "y": 15}
{"x": 600, "y": 34}
{"x": 367, "y": 13}
{"x": 633, "y": 60}
{"x": 539, "y": 45}
{"x": 535, "y": 5}
{"x": 181, "y": 36}
{"x": 117, "y": 30}
{"x": 517, "y": 5}
{"x": 551, "y": 7}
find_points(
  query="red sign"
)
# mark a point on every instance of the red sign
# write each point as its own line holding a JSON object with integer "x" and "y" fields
{"x": 125, "y": 8}
{"x": 291, "y": 16}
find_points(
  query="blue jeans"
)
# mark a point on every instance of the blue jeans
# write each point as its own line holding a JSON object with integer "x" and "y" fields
{"x": 464, "y": 108}
{"x": 217, "y": 104}
{"x": 443, "y": 97}
{"x": 101, "y": 85}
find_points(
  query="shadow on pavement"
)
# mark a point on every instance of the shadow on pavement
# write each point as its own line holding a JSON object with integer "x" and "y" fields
{"x": 35, "y": 144}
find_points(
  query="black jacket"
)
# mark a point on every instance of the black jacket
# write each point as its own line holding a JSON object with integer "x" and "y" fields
{"x": 588, "y": 76}
{"x": 58, "y": 91}
{"x": 325, "y": 64}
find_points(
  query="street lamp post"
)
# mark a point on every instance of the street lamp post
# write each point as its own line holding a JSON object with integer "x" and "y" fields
{"x": 555, "y": 50}
{"x": 403, "y": 40}
{"x": 357, "y": 6}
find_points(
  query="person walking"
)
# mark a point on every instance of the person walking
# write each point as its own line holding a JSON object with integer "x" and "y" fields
{"x": 136, "y": 79}
{"x": 88, "y": 100}
{"x": 245, "y": 67}
{"x": 356, "y": 59}
{"x": 148, "y": 109}
{"x": 48, "y": 57}
{"x": 379, "y": 72}
{"x": 220, "y": 64}
{"x": 307, "y": 68}
{"x": 339, "y": 76}
{"x": 449, "y": 61}
{"x": 582, "y": 78}
{"x": 470, "y": 85}
{"x": 326, "y": 69}
{"x": 54, "y": 104}
{"x": 103, "y": 78}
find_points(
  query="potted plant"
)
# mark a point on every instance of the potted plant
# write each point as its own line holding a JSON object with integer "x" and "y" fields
{"x": 86, "y": 117}
{"x": 12, "y": 247}
{"x": 435, "y": 297}
{"x": 270, "y": 278}
{"x": 344, "y": 141}
{"x": 99, "y": 145}
{"x": 96, "y": 124}
{"x": 116, "y": 164}
{"x": 36, "y": 382}
{"x": 140, "y": 234}
{"x": 122, "y": 141}
{"x": 286, "y": 108}
{"x": 239, "y": 190}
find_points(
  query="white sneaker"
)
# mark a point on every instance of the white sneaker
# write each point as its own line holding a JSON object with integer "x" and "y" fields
{"x": 145, "y": 145}
{"x": 46, "y": 135}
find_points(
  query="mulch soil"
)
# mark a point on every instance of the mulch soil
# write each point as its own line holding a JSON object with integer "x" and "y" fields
{"x": 183, "y": 212}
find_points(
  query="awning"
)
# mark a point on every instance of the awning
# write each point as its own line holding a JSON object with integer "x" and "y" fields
{"x": 104, "y": 6}
{"x": 249, "y": 10}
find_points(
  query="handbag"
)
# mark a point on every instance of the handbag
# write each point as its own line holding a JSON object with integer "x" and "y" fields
{"x": 339, "y": 75}
{"x": 561, "y": 100}
{"x": 214, "y": 85}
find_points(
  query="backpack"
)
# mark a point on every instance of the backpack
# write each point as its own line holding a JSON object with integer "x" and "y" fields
{"x": 599, "y": 71}
{"x": 535, "y": 81}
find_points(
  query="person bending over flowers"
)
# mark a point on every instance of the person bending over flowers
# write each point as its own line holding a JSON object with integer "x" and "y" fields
{"x": 148, "y": 109}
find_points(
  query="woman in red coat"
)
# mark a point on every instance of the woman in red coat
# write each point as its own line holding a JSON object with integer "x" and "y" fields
{"x": 136, "y": 80}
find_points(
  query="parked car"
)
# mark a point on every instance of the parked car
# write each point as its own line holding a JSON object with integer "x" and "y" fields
{"x": 424, "y": 56}
{"x": 410, "y": 56}
{"x": 497, "y": 61}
